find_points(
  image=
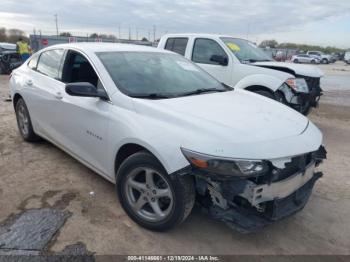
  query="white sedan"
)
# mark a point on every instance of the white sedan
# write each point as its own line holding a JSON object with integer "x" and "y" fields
{"x": 303, "y": 58}
{"x": 167, "y": 134}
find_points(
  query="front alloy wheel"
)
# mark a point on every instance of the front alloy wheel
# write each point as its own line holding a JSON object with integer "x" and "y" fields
{"x": 150, "y": 196}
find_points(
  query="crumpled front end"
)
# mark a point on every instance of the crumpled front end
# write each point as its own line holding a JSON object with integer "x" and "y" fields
{"x": 303, "y": 100}
{"x": 248, "y": 204}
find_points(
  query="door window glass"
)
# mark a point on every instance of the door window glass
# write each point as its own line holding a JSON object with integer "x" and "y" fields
{"x": 78, "y": 69}
{"x": 177, "y": 45}
{"x": 50, "y": 62}
{"x": 205, "y": 49}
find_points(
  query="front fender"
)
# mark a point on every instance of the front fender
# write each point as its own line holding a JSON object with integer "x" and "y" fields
{"x": 270, "y": 82}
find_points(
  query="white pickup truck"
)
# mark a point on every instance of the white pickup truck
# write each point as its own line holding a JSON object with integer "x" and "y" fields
{"x": 324, "y": 59}
{"x": 241, "y": 64}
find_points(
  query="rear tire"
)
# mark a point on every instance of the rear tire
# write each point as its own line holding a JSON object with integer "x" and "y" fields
{"x": 296, "y": 61}
{"x": 313, "y": 62}
{"x": 324, "y": 61}
{"x": 151, "y": 197}
{"x": 24, "y": 122}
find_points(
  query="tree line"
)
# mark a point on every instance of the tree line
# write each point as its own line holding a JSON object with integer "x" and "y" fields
{"x": 301, "y": 47}
{"x": 12, "y": 35}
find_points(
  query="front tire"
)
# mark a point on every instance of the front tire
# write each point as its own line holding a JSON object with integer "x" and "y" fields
{"x": 24, "y": 122}
{"x": 324, "y": 61}
{"x": 265, "y": 93}
{"x": 296, "y": 61}
{"x": 151, "y": 197}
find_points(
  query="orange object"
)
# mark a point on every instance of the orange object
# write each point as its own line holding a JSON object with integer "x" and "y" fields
{"x": 199, "y": 163}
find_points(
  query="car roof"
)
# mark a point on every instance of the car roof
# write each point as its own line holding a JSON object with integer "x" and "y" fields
{"x": 108, "y": 47}
{"x": 200, "y": 35}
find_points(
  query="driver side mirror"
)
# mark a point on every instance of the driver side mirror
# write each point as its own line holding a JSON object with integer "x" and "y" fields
{"x": 221, "y": 60}
{"x": 85, "y": 89}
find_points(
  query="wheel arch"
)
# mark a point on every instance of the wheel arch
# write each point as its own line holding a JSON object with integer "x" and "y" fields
{"x": 127, "y": 150}
{"x": 263, "y": 81}
{"x": 15, "y": 99}
{"x": 258, "y": 87}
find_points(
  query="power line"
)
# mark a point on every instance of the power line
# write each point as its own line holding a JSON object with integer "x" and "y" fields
{"x": 154, "y": 33}
{"x": 56, "y": 21}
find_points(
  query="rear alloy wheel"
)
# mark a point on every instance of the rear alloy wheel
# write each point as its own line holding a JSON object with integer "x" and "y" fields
{"x": 24, "y": 123}
{"x": 150, "y": 196}
{"x": 313, "y": 62}
{"x": 324, "y": 61}
{"x": 296, "y": 61}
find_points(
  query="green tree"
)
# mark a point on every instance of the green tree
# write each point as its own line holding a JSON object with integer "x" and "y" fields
{"x": 3, "y": 36}
{"x": 67, "y": 34}
{"x": 269, "y": 43}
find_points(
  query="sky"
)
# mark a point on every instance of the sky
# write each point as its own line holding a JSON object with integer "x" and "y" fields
{"x": 321, "y": 22}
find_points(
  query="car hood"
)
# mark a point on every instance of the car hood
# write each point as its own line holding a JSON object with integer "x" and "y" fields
{"x": 236, "y": 116}
{"x": 298, "y": 69}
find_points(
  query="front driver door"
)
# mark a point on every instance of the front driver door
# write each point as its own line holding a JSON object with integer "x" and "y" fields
{"x": 84, "y": 121}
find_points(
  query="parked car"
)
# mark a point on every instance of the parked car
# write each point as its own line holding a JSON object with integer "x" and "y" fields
{"x": 240, "y": 63}
{"x": 324, "y": 59}
{"x": 167, "y": 133}
{"x": 9, "y": 58}
{"x": 347, "y": 57}
{"x": 303, "y": 58}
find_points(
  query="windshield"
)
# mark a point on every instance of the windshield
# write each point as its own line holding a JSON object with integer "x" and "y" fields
{"x": 245, "y": 51}
{"x": 157, "y": 75}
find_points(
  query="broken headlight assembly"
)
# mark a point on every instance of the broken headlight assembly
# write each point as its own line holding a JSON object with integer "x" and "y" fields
{"x": 225, "y": 166}
{"x": 298, "y": 85}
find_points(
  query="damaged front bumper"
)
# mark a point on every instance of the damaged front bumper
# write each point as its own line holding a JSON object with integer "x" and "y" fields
{"x": 247, "y": 205}
{"x": 303, "y": 101}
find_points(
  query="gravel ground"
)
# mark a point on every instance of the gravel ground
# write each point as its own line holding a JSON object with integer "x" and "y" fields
{"x": 42, "y": 176}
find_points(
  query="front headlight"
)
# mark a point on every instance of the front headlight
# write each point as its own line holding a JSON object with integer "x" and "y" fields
{"x": 225, "y": 166}
{"x": 298, "y": 85}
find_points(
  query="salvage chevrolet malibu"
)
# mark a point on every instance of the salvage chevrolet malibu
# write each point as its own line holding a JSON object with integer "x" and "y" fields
{"x": 168, "y": 134}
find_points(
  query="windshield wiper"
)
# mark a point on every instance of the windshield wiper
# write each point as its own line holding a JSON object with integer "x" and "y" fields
{"x": 202, "y": 90}
{"x": 150, "y": 96}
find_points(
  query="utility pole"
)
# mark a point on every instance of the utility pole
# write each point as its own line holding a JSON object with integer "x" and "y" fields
{"x": 149, "y": 35}
{"x": 154, "y": 33}
{"x": 137, "y": 33}
{"x": 56, "y": 25}
{"x": 129, "y": 33}
{"x": 119, "y": 31}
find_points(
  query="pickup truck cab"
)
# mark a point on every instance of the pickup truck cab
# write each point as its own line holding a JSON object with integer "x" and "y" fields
{"x": 240, "y": 63}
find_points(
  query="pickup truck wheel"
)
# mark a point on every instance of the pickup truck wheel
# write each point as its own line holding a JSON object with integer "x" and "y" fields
{"x": 151, "y": 197}
{"x": 265, "y": 93}
{"x": 305, "y": 110}
{"x": 24, "y": 122}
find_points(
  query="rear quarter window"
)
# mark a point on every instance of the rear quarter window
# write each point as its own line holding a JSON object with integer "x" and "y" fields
{"x": 33, "y": 62}
{"x": 177, "y": 45}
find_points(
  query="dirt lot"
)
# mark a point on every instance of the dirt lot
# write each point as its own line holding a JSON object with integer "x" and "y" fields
{"x": 40, "y": 175}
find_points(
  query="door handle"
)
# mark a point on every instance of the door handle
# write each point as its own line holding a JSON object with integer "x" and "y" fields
{"x": 58, "y": 95}
{"x": 29, "y": 82}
